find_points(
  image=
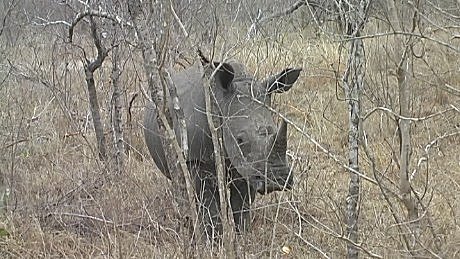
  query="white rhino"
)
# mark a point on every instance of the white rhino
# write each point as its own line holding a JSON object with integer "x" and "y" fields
{"x": 255, "y": 151}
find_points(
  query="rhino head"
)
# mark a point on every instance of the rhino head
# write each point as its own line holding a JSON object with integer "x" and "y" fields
{"x": 253, "y": 144}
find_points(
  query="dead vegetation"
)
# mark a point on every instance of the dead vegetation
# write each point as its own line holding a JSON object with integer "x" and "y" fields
{"x": 64, "y": 202}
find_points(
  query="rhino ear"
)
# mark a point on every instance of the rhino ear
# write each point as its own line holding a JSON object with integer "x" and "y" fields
{"x": 224, "y": 75}
{"x": 283, "y": 81}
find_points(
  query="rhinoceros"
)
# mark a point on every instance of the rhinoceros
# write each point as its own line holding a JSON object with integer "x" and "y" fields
{"x": 254, "y": 149}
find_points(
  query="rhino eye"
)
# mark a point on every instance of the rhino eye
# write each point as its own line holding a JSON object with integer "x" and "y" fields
{"x": 266, "y": 131}
{"x": 243, "y": 144}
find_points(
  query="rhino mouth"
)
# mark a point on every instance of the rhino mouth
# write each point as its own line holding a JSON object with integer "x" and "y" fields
{"x": 278, "y": 177}
{"x": 266, "y": 186}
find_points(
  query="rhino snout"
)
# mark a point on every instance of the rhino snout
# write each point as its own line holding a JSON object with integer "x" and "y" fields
{"x": 264, "y": 186}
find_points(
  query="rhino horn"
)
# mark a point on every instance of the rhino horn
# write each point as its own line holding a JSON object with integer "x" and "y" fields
{"x": 280, "y": 145}
{"x": 203, "y": 58}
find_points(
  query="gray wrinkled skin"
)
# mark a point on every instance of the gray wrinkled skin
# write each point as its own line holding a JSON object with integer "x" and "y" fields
{"x": 255, "y": 149}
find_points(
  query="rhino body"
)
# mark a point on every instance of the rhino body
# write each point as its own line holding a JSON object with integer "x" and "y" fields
{"x": 255, "y": 151}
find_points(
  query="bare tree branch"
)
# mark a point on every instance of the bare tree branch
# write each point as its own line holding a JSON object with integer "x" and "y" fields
{"x": 178, "y": 19}
{"x": 318, "y": 145}
{"x": 90, "y": 67}
{"x": 45, "y": 22}
{"x": 94, "y": 13}
{"x": 117, "y": 121}
{"x": 260, "y": 20}
{"x": 405, "y": 33}
{"x": 415, "y": 119}
{"x": 11, "y": 6}
{"x": 327, "y": 230}
{"x": 216, "y": 136}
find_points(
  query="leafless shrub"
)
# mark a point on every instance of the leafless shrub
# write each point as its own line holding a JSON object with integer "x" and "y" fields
{"x": 61, "y": 200}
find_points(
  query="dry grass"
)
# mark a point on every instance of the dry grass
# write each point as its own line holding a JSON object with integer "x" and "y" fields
{"x": 66, "y": 203}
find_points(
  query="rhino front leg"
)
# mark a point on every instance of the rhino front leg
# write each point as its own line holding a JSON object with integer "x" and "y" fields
{"x": 241, "y": 197}
{"x": 208, "y": 204}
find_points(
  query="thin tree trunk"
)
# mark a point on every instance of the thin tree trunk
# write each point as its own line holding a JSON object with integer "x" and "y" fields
{"x": 179, "y": 114}
{"x": 216, "y": 135}
{"x": 354, "y": 14}
{"x": 176, "y": 163}
{"x": 174, "y": 159}
{"x": 186, "y": 181}
{"x": 181, "y": 147}
{"x": 405, "y": 149}
{"x": 157, "y": 95}
{"x": 402, "y": 51}
{"x": 92, "y": 94}
{"x": 117, "y": 113}
{"x": 354, "y": 84}
{"x": 96, "y": 115}
{"x": 4, "y": 193}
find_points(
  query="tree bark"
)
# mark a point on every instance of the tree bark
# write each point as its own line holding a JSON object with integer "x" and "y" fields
{"x": 354, "y": 84}
{"x": 117, "y": 122}
{"x": 216, "y": 135}
{"x": 402, "y": 52}
{"x": 354, "y": 14}
{"x": 90, "y": 67}
{"x": 148, "y": 32}
{"x": 4, "y": 194}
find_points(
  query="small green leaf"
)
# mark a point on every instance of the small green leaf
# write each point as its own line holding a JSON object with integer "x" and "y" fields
{"x": 4, "y": 233}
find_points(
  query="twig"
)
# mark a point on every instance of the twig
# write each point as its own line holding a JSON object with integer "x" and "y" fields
{"x": 284, "y": 12}
{"x": 181, "y": 25}
{"x": 446, "y": 135}
{"x": 318, "y": 145}
{"x": 317, "y": 249}
{"x": 7, "y": 14}
{"x": 416, "y": 119}
{"x": 15, "y": 143}
{"x": 259, "y": 20}
{"x": 106, "y": 221}
{"x": 452, "y": 88}
{"x": 36, "y": 117}
{"x": 95, "y": 13}
{"x": 46, "y": 23}
{"x": 435, "y": 7}
{"x": 328, "y": 231}
{"x": 383, "y": 34}
{"x": 425, "y": 157}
